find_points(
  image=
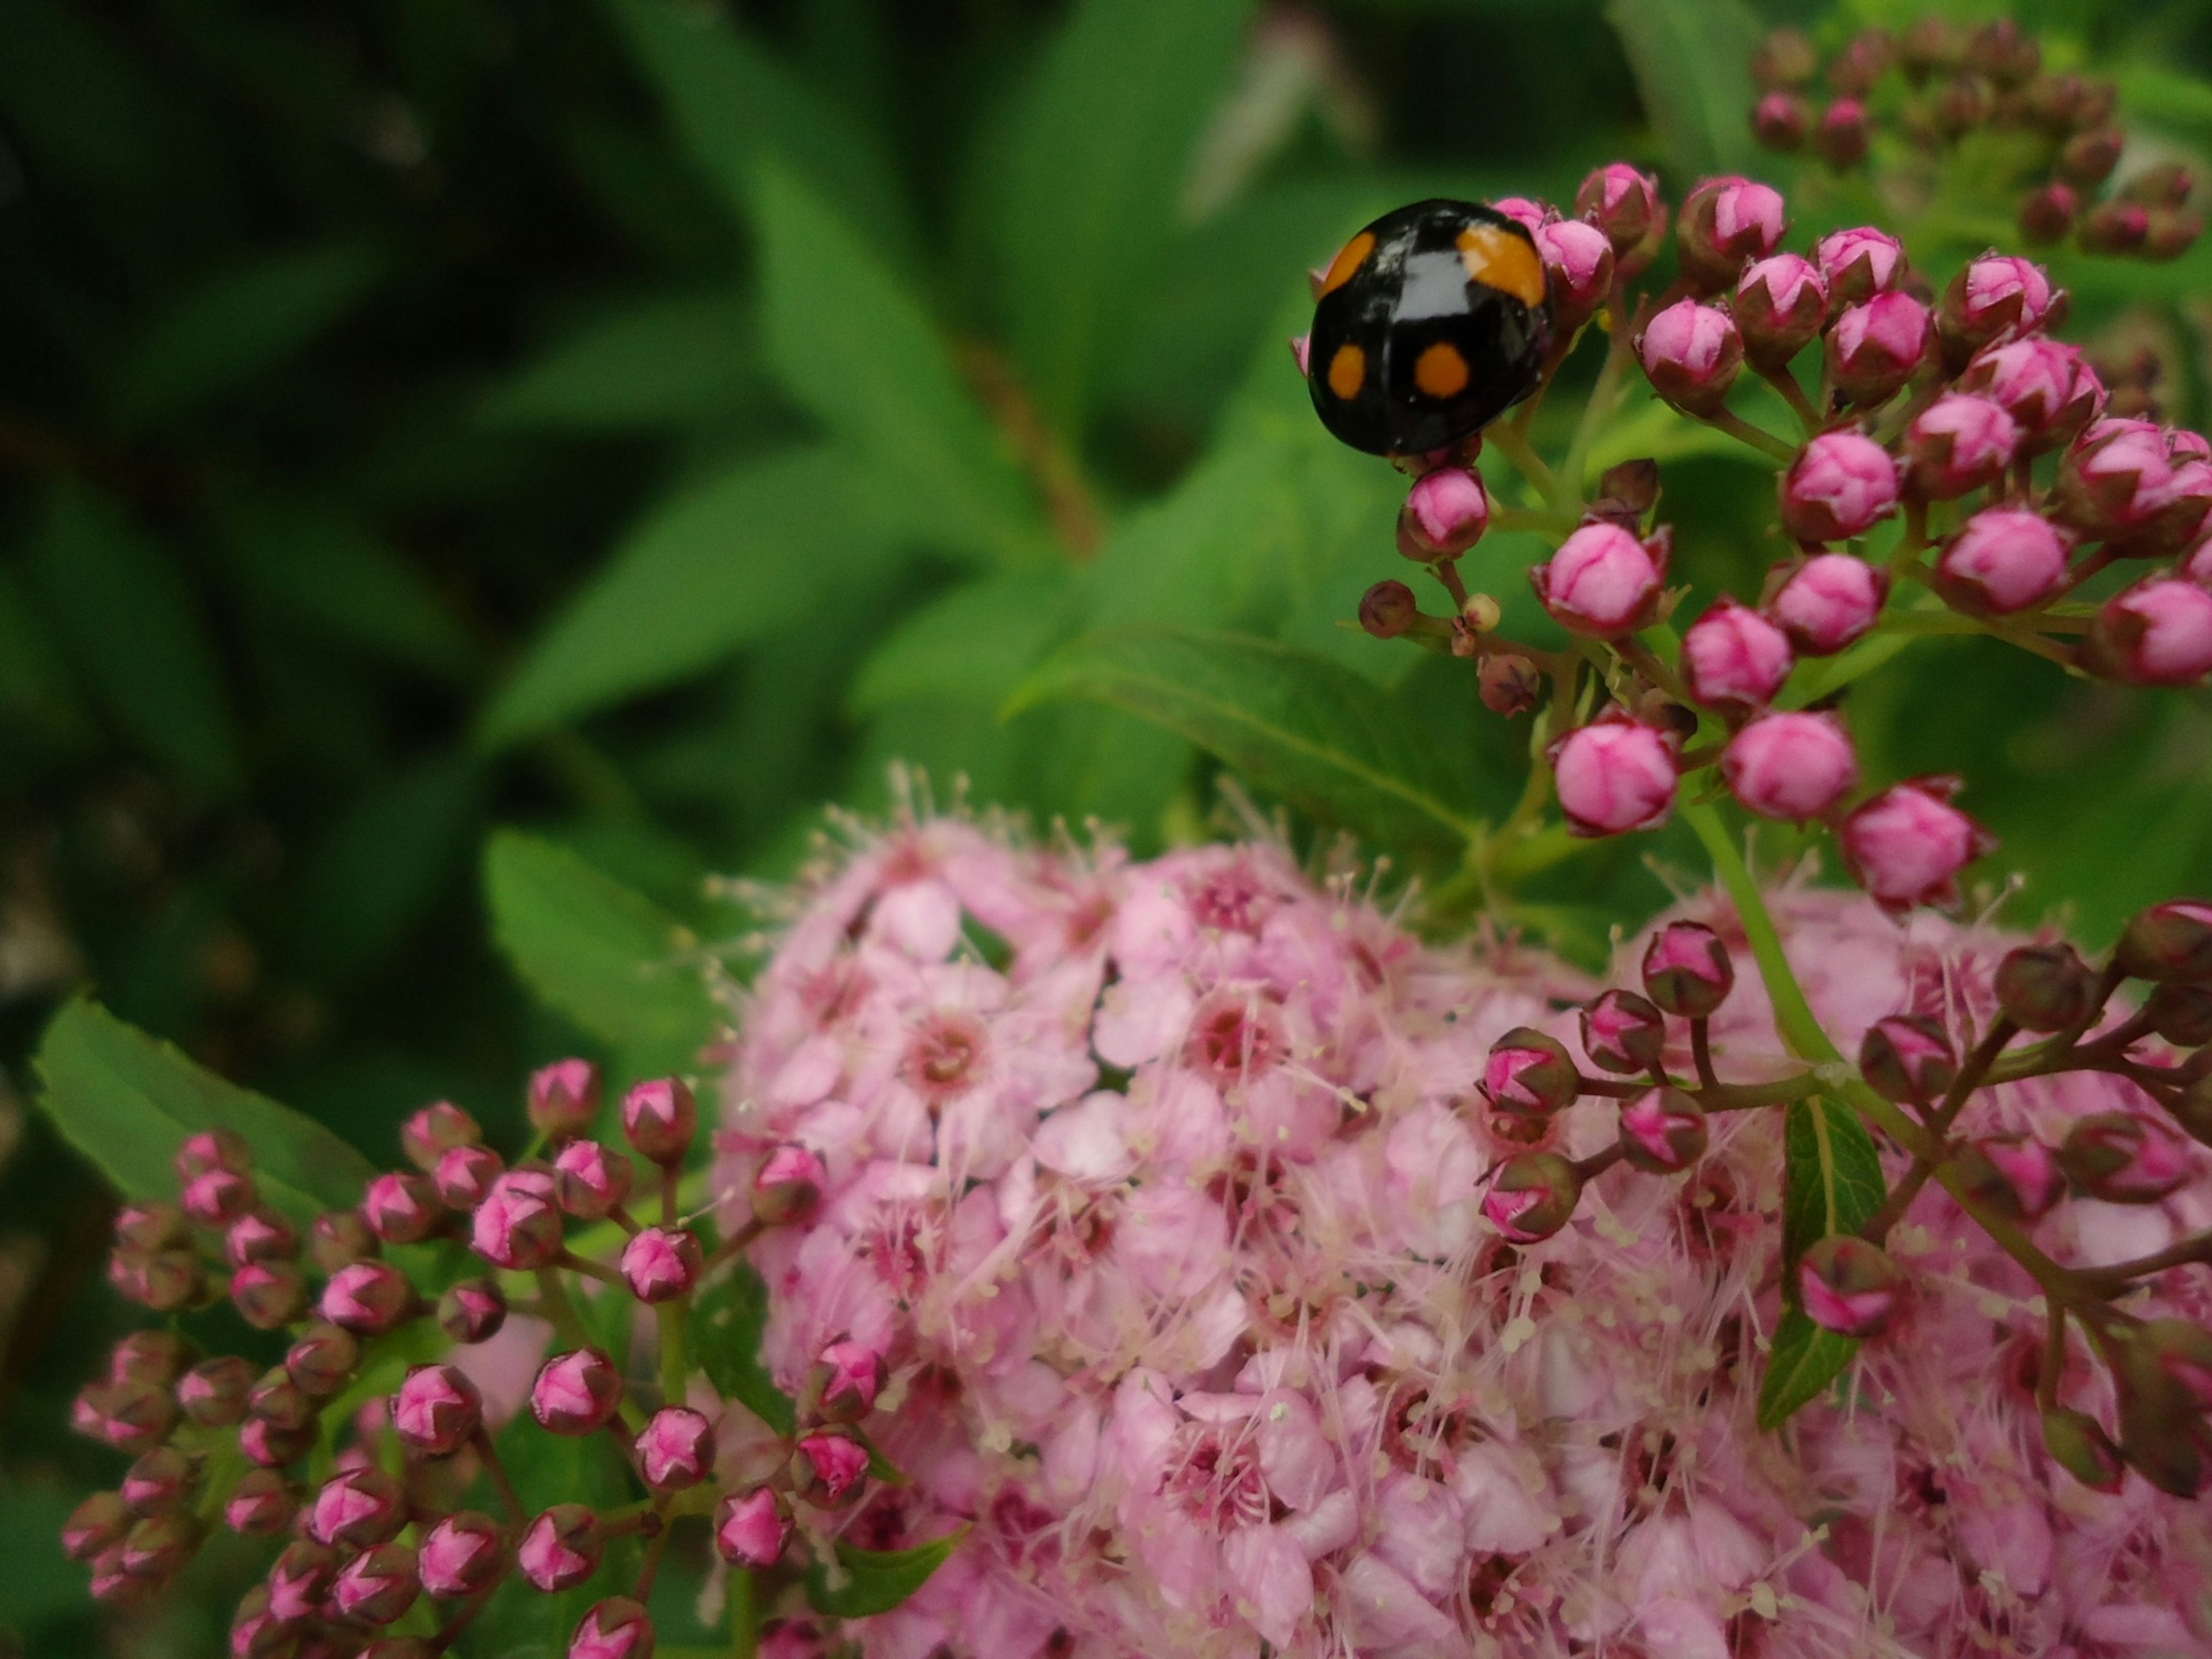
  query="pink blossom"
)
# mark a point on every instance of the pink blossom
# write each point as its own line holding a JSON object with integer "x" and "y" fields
{"x": 1692, "y": 354}
{"x": 1733, "y": 658}
{"x": 1603, "y": 581}
{"x": 1791, "y": 766}
{"x": 1828, "y": 601}
{"x": 1445, "y": 514}
{"x": 1625, "y": 204}
{"x": 1578, "y": 259}
{"x": 1780, "y": 304}
{"x": 2156, "y": 632}
{"x": 1958, "y": 444}
{"x": 1908, "y": 844}
{"x": 1841, "y": 485}
{"x": 1874, "y": 347}
{"x": 2003, "y": 560}
{"x": 2046, "y": 387}
{"x": 1724, "y": 224}
{"x": 1615, "y": 775}
{"x": 1860, "y": 264}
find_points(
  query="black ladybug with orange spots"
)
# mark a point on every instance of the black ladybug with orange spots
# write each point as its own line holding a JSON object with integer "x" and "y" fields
{"x": 1432, "y": 322}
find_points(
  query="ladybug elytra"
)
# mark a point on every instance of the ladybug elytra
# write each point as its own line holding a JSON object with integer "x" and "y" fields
{"x": 1430, "y": 324}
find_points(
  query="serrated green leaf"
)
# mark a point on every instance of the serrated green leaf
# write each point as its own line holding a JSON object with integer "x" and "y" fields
{"x": 876, "y": 1581}
{"x": 671, "y": 361}
{"x": 1097, "y": 162}
{"x": 1803, "y": 1361}
{"x": 241, "y": 323}
{"x": 748, "y": 553}
{"x": 1832, "y": 1181}
{"x": 602, "y": 954}
{"x": 127, "y": 1101}
{"x": 1329, "y": 743}
{"x": 853, "y": 344}
{"x": 1692, "y": 63}
{"x": 726, "y": 1335}
{"x": 733, "y": 104}
{"x": 134, "y": 636}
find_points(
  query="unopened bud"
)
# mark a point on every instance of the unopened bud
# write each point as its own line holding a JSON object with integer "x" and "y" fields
{"x": 2088, "y": 158}
{"x": 260, "y": 1235}
{"x": 158, "y": 1547}
{"x": 402, "y": 1208}
{"x": 1907, "y": 846}
{"x": 1780, "y": 304}
{"x": 1840, "y": 486}
{"x": 210, "y": 1150}
{"x": 1848, "y": 1286}
{"x": 2115, "y": 227}
{"x": 2122, "y": 1158}
{"x": 661, "y": 1264}
{"x": 1724, "y": 224}
{"x": 2045, "y": 987}
{"x": 338, "y": 1239}
{"x": 1509, "y": 684}
{"x": 827, "y": 1469}
{"x": 1860, "y": 262}
{"x": 1908, "y": 1058}
{"x": 216, "y": 1198}
{"x": 463, "y": 1555}
{"x": 1875, "y": 347}
{"x": 1663, "y": 1132}
{"x": 1623, "y": 1032}
{"x": 131, "y": 1417}
{"x": 675, "y": 1450}
{"x": 1625, "y": 204}
{"x": 268, "y": 1295}
{"x": 1579, "y": 270}
{"x": 2048, "y": 215}
{"x": 322, "y": 1359}
{"x": 357, "y": 1510}
{"x": 1529, "y": 1074}
{"x": 1786, "y": 57}
{"x": 2169, "y": 943}
{"x": 164, "y": 1280}
{"x": 368, "y": 1298}
{"x": 564, "y": 1098}
{"x": 1615, "y": 775}
{"x": 1827, "y": 601}
{"x": 2003, "y": 560}
{"x": 1686, "y": 970}
{"x": 577, "y": 1392}
{"x": 1733, "y": 660}
{"x": 847, "y": 1377}
{"x": 1780, "y": 121}
{"x": 273, "y": 1447}
{"x": 2181, "y": 1014}
{"x": 2157, "y": 632}
{"x": 1965, "y": 102}
{"x": 1388, "y": 610}
{"x": 277, "y": 1400}
{"x": 1691, "y": 354}
{"x": 751, "y": 1528}
{"x": 2172, "y": 234}
{"x": 157, "y": 1357}
{"x": 96, "y": 1525}
{"x": 1532, "y": 1196}
{"x": 376, "y": 1586}
{"x": 616, "y": 1628}
{"x": 1865, "y": 58}
{"x": 300, "y": 1580}
{"x": 435, "y": 1131}
{"x": 1957, "y": 445}
{"x": 464, "y": 1175}
{"x": 473, "y": 1311}
{"x": 660, "y": 1116}
{"x": 149, "y": 1227}
{"x": 788, "y": 1186}
{"x": 517, "y": 1226}
{"x": 560, "y": 1548}
{"x": 262, "y": 1505}
{"x": 436, "y": 1411}
{"x": 163, "y": 1480}
{"x": 1445, "y": 514}
{"x": 1842, "y": 137}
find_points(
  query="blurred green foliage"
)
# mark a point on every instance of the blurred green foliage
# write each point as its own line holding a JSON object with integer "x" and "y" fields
{"x": 642, "y": 420}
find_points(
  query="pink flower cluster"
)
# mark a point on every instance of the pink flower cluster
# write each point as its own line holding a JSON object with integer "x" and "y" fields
{"x": 1157, "y": 1192}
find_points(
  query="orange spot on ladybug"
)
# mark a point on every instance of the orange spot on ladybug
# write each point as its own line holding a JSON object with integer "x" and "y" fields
{"x": 1347, "y": 372}
{"x": 1341, "y": 268}
{"x": 1499, "y": 258}
{"x": 1440, "y": 371}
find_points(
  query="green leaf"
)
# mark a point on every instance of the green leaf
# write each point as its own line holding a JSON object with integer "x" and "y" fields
{"x": 974, "y": 644}
{"x": 876, "y": 1581}
{"x": 40, "y": 1583}
{"x": 763, "y": 547}
{"x": 1326, "y": 741}
{"x": 1095, "y": 164}
{"x": 855, "y": 347}
{"x": 127, "y": 1101}
{"x": 671, "y": 361}
{"x": 1692, "y": 64}
{"x": 602, "y": 954}
{"x": 734, "y": 105}
{"x": 385, "y": 862}
{"x": 135, "y": 635}
{"x": 240, "y": 323}
{"x": 1833, "y": 1182}
{"x": 725, "y": 1334}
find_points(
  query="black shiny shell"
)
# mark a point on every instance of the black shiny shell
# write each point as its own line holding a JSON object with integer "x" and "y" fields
{"x": 1423, "y": 289}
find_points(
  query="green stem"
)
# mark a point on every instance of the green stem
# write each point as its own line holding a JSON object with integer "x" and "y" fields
{"x": 1603, "y": 395}
{"x": 1793, "y": 1016}
{"x": 1515, "y": 447}
{"x": 745, "y": 1614}
{"x": 1723, "y": 420}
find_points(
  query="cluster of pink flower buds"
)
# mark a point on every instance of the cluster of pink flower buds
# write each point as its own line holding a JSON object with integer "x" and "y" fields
{"x": 392, "y": 1525}
{"x": 1940, "y": 81}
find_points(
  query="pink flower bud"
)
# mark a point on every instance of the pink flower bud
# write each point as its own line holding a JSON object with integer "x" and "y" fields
{"x": 560, "y": 1548}
{"x": 577, "y": 1392}
{"x": 660, "y": 1116}
{"x": 2156, "y": 632}
{"x": 1791, "y": 766}
{"x": 2014, "y": 1175}
{"x": 847, "y": 1377}
{"x": 1828, "y": 601}
{"x": 1691, "y": 354}
{"x": 1873, "y": 348}
{"x": 1733, "y": 660}
{"x": 150, "y": 1227}
{"x": 1532, "y": 1196}
{"x": 95, "y": 1526}
{"x": 155, "y": 1549}
{"x": 1842, "y": 137}
{"x": 2122, "y": 1158}
{"x": 2115, "y": 479}
{"x": 260, "y": 1235}
{"x": 751, "y": 1530}
{"x": 163, "y": 1480}
{"x": 1388, "y": 610}
{"x": 2047, "y": 216}
{"x": 111, "y": 1586}
{"x": 1623, "y": 1032}
{"x": 1615, "y": 775}
{"x": 436, "y": 1411}
{"x": 463, "y": 1555}
{"x": 1779, "y": 121}
{"x": 2005, "y": 559}
{"x": 1860, "y": 264}
{"x": 300, "y": 1580}
{"x": 2046, "y": 387}
{"x": 158, "y": 1357}
{"x": 827, "y": 1469}
{"x": 473, "y": 1311}
{"x": 262, "y": 1505}
{"x": 2116, "y": 227}
{"x": 1959, "y": 443}
{"x": 616, "y": 1628}
{"x": 1780, "y": 304}
{"x": 1578, "y": 262}
{"x": 256, "y": 1632}
{"x": 275, "y": 1398}
{"x": 376, "y": 1586}
{"x": 1663, "y": 1132}
{"x": 402, "y": 1208}
{"x": 213, "y": 1393}
{"x": 1445, "y": 514}
{"x": 1603, "y": 582}
{"x": 2169, "y": 944}
{"x": 164, "y": 1281}
{"x": 1625, "y": 204}
{"x": 464, "y": 1176}
{"x": 1686, "y": 970}
{"x": 270, "y": 1446}
{"x": 338, "y": 1239}
{"x": 1841, "y": 485}
{"x": 675, "y": 1449}
{"x": 591, "y": 1180}
{"x": 216, "y": 1198}
{"x": 268, "y": 1295}
{"x": 1725, "y": 223}
{"x": 2181, "y": 1014}
{"x": 1848, "y": 1286}
{"x": 436, "y": 1130}
{"x": 788, "y": 1186}
{"x": 1997, "y": 298}
{"x": 1908, "y": 844}
{"x": 517, "y": 1226}
{"x": 131, "y": 1417}
{"x": 322, "y": 1360}
{"x": 1908, "y": 1058}
{"x": 368, "y": 1298}
{"x": 661, "y": 1264}
{"x": 1529, "y": 1074}
{"x": 564, "y": 1098}
{"x": 211, "y": 1149}
{"x": 357, "y": 1509}
{"x": 2045, "y": 987}
{"x": 1528, "y": 214}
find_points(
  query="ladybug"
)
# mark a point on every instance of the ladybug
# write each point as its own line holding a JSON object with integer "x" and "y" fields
{"x": 1431, "y": 323}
